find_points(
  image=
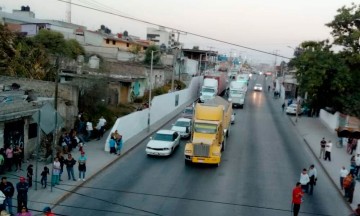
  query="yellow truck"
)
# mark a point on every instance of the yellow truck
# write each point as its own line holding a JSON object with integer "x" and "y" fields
{"x": 211, "y": 126}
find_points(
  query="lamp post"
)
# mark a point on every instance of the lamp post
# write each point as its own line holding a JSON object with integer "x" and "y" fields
{"x": 150, "y": 79}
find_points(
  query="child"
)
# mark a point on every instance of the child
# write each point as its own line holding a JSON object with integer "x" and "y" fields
{"x": 44, "y": 175}
{"x": 30, "y": 174}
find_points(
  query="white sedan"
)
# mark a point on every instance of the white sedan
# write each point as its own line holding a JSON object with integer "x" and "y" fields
{"x": 291, "y": 109}
{"x": 183, "y": 127}
{"x": 258, "y": 87}
{"x": 163, "y": 143}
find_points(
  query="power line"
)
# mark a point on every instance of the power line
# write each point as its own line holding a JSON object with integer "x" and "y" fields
{"x": 179, "y": 30}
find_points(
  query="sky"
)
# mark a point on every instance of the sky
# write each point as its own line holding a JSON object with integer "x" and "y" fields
{"x": 268, "y": 25}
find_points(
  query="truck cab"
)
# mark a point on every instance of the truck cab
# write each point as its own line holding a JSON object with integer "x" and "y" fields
{"x": 209, "y": 89}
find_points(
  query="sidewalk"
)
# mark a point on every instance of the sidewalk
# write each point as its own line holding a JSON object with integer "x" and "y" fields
{"x": 312, "y": 130}
{"x": 98, "y": 160}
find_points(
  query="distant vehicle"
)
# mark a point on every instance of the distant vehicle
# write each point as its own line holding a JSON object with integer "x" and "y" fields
{"x": 258, "y": 87}
{"x": 163, "y": 143}
{"x": 291, "y": 109}
{"x": 243, "y": 78}
{"x": 237, "y": 93}
{"x": 183, "y": 126}
{"x": 209, "y": 89}
{"x": 188, "y": 112}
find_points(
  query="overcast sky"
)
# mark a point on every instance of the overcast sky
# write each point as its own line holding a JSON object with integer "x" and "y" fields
{"x": 267, "y": 25}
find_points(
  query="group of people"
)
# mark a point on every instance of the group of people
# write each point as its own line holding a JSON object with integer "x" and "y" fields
{"x": 7, "y": 191}
{"x": 305, "y": 184}
{"x": 85, "y": 126}
{"x": 58, "y": 167}
{"x": 10, "y": 157}
{"x": 325, "y": 149}
{"x": 115, "y": 143}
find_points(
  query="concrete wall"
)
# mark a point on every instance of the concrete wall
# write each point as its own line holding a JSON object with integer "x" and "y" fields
{"x": 331, "y": 121}
{"x": 162, "y": 106}
{"x": 191, "y": 67}
{"x": 106, "y": 52}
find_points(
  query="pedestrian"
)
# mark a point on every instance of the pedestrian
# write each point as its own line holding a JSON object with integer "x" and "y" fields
{"x": 322, "y": 148}
{"x": 44, "y": 175}
{"x": 9, "y": 157}
{"x": 70, "y": 162}
{"x": 100, "y": 127}
{"x": 313, "y": 178}
{"x": 29, "y": 174}
{"x": 56, "y": 172}
{"x": 2, "y": 164}
{"x": 8, "y": 190}
{"x": 283, "y": 106}
{"x": 268, "y": 88}
{"x": 119, "y": 144}
{"x": 112, "y": 143}
{"x": 357, "y": 166}
{"x": 22, "y": 190}
{"x": 328, "y": 148}
{"x": 47, "y": 212}
{"x": 351, "y": 189}
{"x": 304, "y": 180}
{"x": 343, "y": 173}
{"x": 17, "y": 158}
{"x": 347, "y": 184}
{"x": 61, "y": 158}
{"x": 297, "y": 195}
{"x": 24, "y": 212}
{"x": 353, "y": 146}
{"x": 82, "y": 166}
{"x": 89, "y": 129}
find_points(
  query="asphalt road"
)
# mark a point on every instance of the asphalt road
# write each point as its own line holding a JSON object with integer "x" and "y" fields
{"x": 262, "y": 163}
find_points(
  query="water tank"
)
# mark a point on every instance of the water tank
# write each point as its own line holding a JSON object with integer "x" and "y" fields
{"x": 94, "y": 62}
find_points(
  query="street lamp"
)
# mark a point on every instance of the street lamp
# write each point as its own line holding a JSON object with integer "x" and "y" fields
{"x": 150, "y": 79}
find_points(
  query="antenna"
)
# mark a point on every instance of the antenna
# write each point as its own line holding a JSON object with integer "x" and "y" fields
{"x": 68, "y": 12}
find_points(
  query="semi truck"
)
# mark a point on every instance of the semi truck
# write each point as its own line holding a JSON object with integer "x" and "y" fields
{"x": 237, "y": 92}
{"x": 243, "y": 78}
{"x": 211, "y": 126}
{"x": 221, "y": 77}
{"x": 209, "y": 89}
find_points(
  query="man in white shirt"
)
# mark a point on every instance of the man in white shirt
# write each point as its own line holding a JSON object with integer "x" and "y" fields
{"x": 304, "y": 180}
{"x": 328, "y": 148}
{"x": 89, "y": 129}
{"x": 343, "y": 173}
{"x": 100, "y": 127}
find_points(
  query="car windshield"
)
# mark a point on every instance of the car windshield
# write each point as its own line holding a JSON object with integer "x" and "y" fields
{"x": 205, "y": 128}
{"x": 182, "y": 123}
{"x": 292, "y": 106}
{"x": 237, "y": 92}
{"x": 188, "y": 111}
{"x": 163, "y": 137}
{"x": 258, "y": 85}
{"x": 208, "y": 90}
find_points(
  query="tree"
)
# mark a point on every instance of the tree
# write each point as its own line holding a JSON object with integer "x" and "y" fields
{"x": 156, "y": 56}
{"x": 135, "y": 50}
{"x": 52, "y": 41}
{"x": 74, "y": 49}
{"x": 322, "y": 74}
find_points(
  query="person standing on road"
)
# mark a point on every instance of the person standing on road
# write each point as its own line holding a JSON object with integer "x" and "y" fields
{"x": 44, "y": 175}
{"x": 112, "y": 143}
{"x": 297, "y": 195}
{"x": 82, "y": 166}
{"x": 328, "y": 148}
{"x": 313, "y": 178}
{"x": 347, "y": 184}
{"x": 89, "y": 129}
{"x": 357, "y": 165}
{"x": 2, "y": 164}
{"x": 69, "y": 163}
{"x": 29, "y": 174}
{"x": 322, "y": 148}
{"x": 119, "y": 145}
{"x": 100, "y": 127}
{"x": 56, "y": 172}
{"x": 351, "y": 189}
{"x": 283, "y": 106}
{"x": 343, "y": 174}
{"x": 22, "y": 189}
{"x": 9, "y": 157}
{"x": 8, "y": 189}
{"x": 304, "y": 180}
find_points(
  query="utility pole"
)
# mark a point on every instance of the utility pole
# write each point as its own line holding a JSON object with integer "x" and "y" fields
{"x": 175, "y": 56}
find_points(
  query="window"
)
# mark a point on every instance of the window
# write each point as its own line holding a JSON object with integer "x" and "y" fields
{"x": 32, "y": 130}
{"x": 107, "y": 41}
{"x": 114, "y": 42}
{"x": 127, "y": 45}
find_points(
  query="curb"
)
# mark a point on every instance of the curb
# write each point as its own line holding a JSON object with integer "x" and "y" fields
{"x": 323, "y": 168}
{"x": 77, "y": 187}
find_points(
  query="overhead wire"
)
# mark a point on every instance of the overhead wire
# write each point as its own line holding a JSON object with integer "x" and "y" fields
{"x": 175, "y": 29}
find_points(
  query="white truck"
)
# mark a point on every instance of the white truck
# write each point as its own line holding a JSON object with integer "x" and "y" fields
{"x": 209, "y": 89}
{"x": 243, "y": 78}
{"x": 237, "y": 92}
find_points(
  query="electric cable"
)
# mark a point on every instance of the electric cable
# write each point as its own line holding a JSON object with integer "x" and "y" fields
{"x": 175, "y": 29}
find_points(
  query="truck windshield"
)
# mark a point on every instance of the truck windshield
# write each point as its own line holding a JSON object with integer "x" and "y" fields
{"x": 205, "y": 128}
{"x": 236, "y": 92}
{"x": 208, "y": 90}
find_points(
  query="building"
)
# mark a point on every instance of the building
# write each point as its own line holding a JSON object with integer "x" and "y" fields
{"x": 160, "y": 36}
{"x": 206, "y": 58}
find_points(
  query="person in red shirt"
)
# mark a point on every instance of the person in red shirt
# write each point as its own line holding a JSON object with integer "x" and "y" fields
{"x": 297, "y": 195}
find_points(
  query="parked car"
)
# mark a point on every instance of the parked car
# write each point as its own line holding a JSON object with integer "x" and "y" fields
{"x": 258, "y": 87}
{"x": 188, "y": 112}
{"x": 183, "y": 127}
{"x": 291, "y": 109}
{"x": 163, "y": 143}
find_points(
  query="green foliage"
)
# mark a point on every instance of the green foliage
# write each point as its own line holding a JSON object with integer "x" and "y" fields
{"x": 74, "y": 49}
{"x": 51, "y": 41}
{"x": 156, "y": 55}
